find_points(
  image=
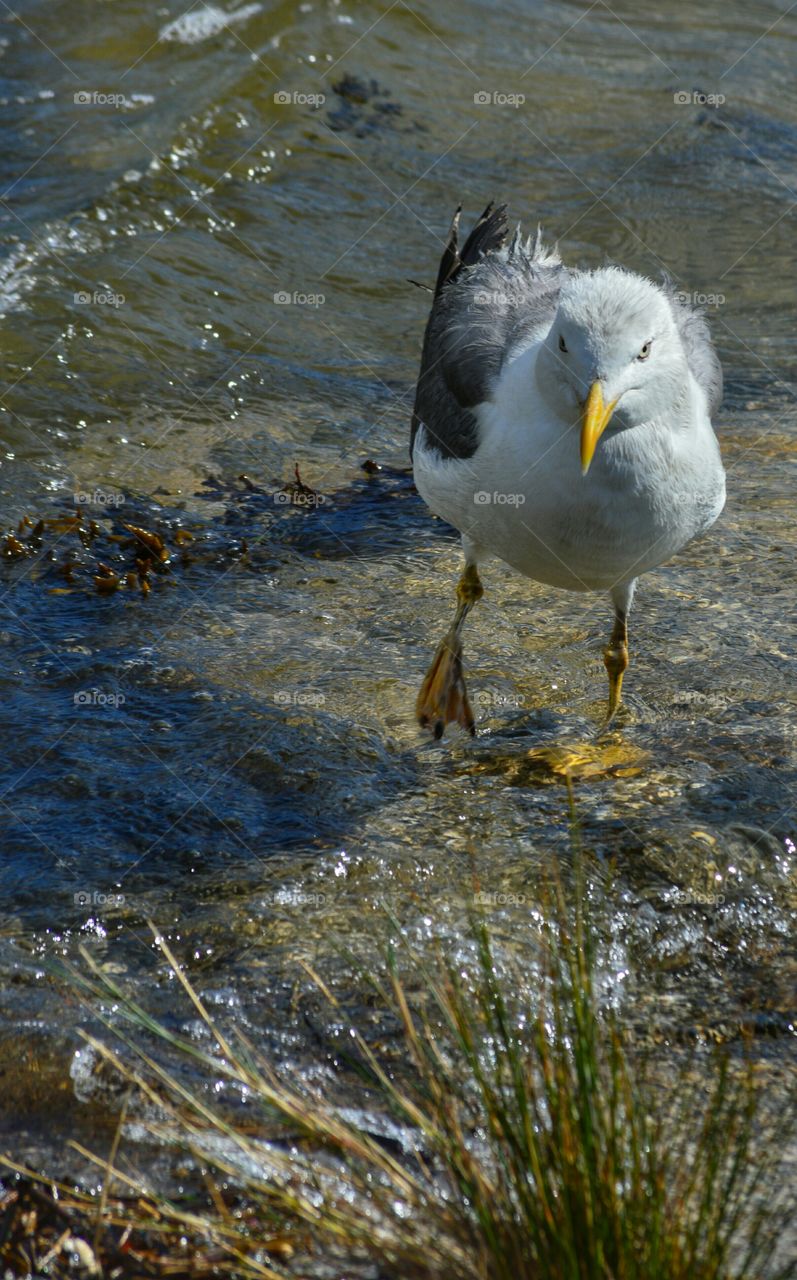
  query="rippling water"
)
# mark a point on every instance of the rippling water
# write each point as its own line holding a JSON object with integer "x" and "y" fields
{"x": 208, "y": 221}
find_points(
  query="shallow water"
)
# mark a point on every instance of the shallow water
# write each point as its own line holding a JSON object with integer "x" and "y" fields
{"x": 233, "y": 755}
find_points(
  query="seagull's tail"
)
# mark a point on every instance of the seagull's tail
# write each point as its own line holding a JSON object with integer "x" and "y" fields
{"x": 488, "y": 235}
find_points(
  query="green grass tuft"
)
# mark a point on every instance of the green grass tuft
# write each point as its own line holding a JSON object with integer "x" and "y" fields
{"x": 540, "y": 1147}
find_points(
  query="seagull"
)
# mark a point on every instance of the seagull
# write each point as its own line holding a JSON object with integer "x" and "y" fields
{"x": 562, "y": 423}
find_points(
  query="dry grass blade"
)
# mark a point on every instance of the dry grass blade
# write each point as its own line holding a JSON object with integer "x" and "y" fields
{"x": 534, "y": 1146}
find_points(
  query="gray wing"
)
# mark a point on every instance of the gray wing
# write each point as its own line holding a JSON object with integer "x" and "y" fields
{"x": 696, "y": 338}
{"x": 488, "y": 298}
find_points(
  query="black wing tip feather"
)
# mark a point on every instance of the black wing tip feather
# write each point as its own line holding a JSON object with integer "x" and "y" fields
{"x": 488, "y": 234}
{"x": 449, "y": 263}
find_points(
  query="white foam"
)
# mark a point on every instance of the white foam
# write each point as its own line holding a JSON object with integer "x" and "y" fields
{"x": 200, "y": 24}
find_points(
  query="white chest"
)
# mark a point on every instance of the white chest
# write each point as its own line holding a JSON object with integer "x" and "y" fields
{"x": 523, "y": 498}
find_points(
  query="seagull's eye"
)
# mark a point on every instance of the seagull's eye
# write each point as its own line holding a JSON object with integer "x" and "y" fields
{"x": 562, "y": 344}
{"x": 645, "y": 352}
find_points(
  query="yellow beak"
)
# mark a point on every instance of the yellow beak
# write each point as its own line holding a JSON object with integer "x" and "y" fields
{"x": 594, "y": 423}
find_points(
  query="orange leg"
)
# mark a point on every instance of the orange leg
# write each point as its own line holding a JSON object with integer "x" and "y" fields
{"x": 616, "y": 659}
{"x": 443, "y": 698}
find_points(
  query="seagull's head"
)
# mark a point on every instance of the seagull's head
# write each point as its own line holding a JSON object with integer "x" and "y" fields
{"x": 613, "y": 353}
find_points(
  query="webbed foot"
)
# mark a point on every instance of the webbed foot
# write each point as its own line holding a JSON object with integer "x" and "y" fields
{"x": 443, "y": 698}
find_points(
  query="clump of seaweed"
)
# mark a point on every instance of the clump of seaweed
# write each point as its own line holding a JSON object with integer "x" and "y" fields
{"x": 75, "y": 551}
{"x": 82, "y": 554}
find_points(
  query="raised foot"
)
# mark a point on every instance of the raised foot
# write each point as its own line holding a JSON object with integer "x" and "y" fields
{"x": 443, "y": 698}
